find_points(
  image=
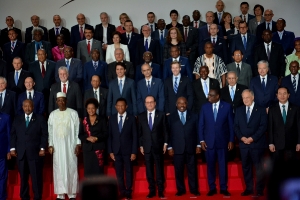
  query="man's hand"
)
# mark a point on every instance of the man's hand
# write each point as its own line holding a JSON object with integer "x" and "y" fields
{"x": 132, "y": 157}
{"x": 244, "y": 139}
{"x": 142, "y": 150}
{"x": 171, "y": 152}
{"x": 13, "y": 153}
{"x": 198, "y": 150}
{"x": 92, "y": 139}
{"x": 197, "y": 76}
{"x": 165, "y": 148}
{"x": 249, "y": 140}
{"x": 203, "y": 146}
{"x": 112, "y": 156}
{"x": 272, "y": 147}
{"x": 8, "y": 156}
{"x": 51, "y": 150}
{"x": 230, "y": 146}
{"x": 77, "y": 149}
{"x": 42, "y": 153}
{"x": 267, "y": 110}
{"x": 298, "y": 147}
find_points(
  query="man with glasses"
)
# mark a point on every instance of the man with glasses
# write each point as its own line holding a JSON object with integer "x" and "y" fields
{"x": 269, "y": 24}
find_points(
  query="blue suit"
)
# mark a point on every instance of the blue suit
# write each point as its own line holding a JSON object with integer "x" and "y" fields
{"x": 186, "y": 69}
{"x": 287, "y": 41}
{"x": 131, "y": 45}
{"x": 38, "y": 101}
{"x": 156, "y": 90}
{"x": 264, "y": 98}
{"x": 156, "y": 72}
{"x": 203, "y": 33}
{"x": 89, "y": 71}
{"x": 75, "y": 70}
{"x": 4, "y": 149}
{"x": 216, "y": 134}
{"x": 294, "y": 96}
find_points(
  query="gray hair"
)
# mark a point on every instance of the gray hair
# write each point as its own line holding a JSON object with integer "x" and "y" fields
{"x": 103, "y": 13}
{"x": 4, "y": 79}
{"x": 248, "y": 90}
{"x": 37, "y": 29}
{"x": 119, "y": 49}
{"x": 263, "y": 62}
{"x": 146, "y": 26}
{"x": 231, "y": 72}
{"x": 63, "y": 68}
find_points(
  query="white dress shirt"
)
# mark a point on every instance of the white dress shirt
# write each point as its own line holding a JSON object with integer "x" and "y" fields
{"x": 44, "y": 65}
{"x": 104, "y": 34}
{"x": 153, "y": 114}
{"x": 178, "y": 80}
{"x": 203, "y": 84}
{"x": 286, "y": 107}
{"x": 251, "y": 108}
{"x": 149, "y": 41}
{"x": 261, "y": 79}
{"x": 123, "y": 81}
{"x": 233, "y": 87}
{"x": 31, "y": 92}
{"x": 83, "y": 26}
{"x": 123, "y": 118}
{"x": 62, "y": 86}
{"x": 150, "y": 81}
{"x": 266, "y": 46}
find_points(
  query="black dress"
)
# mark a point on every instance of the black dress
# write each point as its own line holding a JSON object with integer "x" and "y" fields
{"x": 93, "y": 165}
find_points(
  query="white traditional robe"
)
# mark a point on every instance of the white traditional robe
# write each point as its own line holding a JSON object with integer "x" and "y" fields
{"x": 63, "y": 127}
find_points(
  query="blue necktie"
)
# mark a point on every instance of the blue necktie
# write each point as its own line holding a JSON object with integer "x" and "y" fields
{"x": 148, "y": 87}
{"x": 182, "y": 119}
{"x": 151, "y": 26}
{"x": 120, "y": 124}
{"x": 263, "y": 84}
{"x": 0, "y": 100}
{"x": 245, "y": 42}
{"x": 95, "y": 66}
{"x": 220, "y": 17}
{"x": 121, "y": 87}
{"x": 175, "y": 85}
{"x": 215, "y": 111}
{"x": 27, "y": 121}
{"x": 283, "y": 114}
{"x": 294, "y": 83}
{"x": 57, "y": 33}
{"x": 150, "y": 121}
{"x": 16, "y": 77}
{"x": 232, "y": 93}
{"x": 248, "y": 114}
{"x": 68, "y": 64}
{"x": 161, "y": 37}
{"x": 205, "y": 89}
{"x": 146, "y": 45}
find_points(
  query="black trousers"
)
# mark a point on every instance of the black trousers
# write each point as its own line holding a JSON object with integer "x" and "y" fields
{"x": 91, "y": 164}
{"x": 124, "y": 164}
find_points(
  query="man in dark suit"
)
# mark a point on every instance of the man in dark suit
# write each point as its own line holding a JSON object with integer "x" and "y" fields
{"x": 29, "y": 37}
{"x": 147, "y": 44}
{"x": 156, "y": 69}
{"x": 244, "y": 7}
{"x": 197, "y": 23}
{"x": 98, "y": 93}
{"x": 121, "y": 87}
{"x": 216, "y": 137}
{"x": 130, "y": 38}
{"x": 77, "y": 31}
{"x": 268, "y": 24}
{"x": 151, "y": 23}
{"x": 233, "y": 32}
{"x": 204, "y": 30}
{"x": 4, "y": 32}
{"x": 185, "y": 68}
{"x": 190, "y": 35}
{"x": 283, "y": 37}
{"x": 176, "y": 86}
{"x": 15, "y": 79}
{"x": 284, "y": 128}
{"x": 58, "y": 29}
{"x": 246, "y": 43}
{"x": 29, "y": 137}
{"x": 250, "y": 125}
{"x": 153, "y": 143}
{"x": 33, "y": 47}
{"x": 264, "y": 86}
{"x": 273, "y": 53}
{"x": 70, "y": 88}
{"x": 74, "y": 66}
{"x": 13, "y": 48}
{"x": 111, "y": 71}
{"x": 292, "y": 83}
{"x": 7, "y": 99}
{"x": 183, "y": 146}
{"x": 232, "y": 93}
{"x": 220, "y": 11}
{"x": 3, "y": 68}
{"x": 201, "y": 88}
{"x": 35, "y": 96}
{"x": 160, "y": 34}
{"x": 122, "y": 146}
{"x": 149, "y": 85}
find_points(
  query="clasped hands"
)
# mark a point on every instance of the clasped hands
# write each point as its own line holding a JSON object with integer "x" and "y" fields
{"x": 248, "y": 140}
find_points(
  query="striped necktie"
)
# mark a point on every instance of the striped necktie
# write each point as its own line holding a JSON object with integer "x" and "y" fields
{"x": 294, "y": 83}
{"x": 175, "y": 85}
{"x": 12, "y": 46}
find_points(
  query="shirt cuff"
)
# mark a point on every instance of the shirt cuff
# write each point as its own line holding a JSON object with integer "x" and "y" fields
{"x": 271, "y": 145}
{"x": 166, "y": 143}
{"x": 169, "y": 148}
{"x": 202, "y": 141}
{"x": 12, "y": 149}
{"x": 199, "y": 145}
{"x": 42, "y": 149}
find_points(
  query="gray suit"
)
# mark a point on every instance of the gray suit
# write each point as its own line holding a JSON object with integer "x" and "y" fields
{"x": 75, "y": 70}
{"x": 253, "y": 25}
{"x": 245, "y": 73}
{"x": 82, "y": 52}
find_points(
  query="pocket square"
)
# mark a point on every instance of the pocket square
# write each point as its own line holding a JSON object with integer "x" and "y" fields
{"x": 220, "y": 43}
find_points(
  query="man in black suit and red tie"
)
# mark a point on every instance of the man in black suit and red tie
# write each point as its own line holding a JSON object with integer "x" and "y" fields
{"x": 4, "y": 32}
{"x": 58, "y": 29}
{"x": 197, "y": 23}
{"x": 153, "y": 142}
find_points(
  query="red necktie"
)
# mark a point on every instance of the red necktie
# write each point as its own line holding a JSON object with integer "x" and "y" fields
{"x": 89, "y": 47}
{"x": 196, "y": 24}
{"x": 81, "y": 32}
{"x": 64, "y": 88}
{"x": 43, "y": 70}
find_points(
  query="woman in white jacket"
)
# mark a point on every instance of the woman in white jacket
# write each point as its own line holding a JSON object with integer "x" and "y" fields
{"x": 110, "y": 51}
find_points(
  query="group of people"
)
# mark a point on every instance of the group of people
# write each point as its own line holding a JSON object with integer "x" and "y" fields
{"x": 178, "y": 89}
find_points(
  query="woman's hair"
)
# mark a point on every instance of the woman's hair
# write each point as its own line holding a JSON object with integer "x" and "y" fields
{"x": 261, "y": 7}
{"x": 225, "y": 14}
{"x": 91, "y": 101}
{"x": 117, "y": 33}
{"x": 179, "y": 36}
{"x": 123, "y": 14}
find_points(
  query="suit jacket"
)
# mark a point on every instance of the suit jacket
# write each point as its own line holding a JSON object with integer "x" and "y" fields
{"x": 216, "y": 134}
{"x": 157, "y": 90}
{"x": 255, "y": 128}
{"x": 30, "y": 51}
{"x": 294, "y": 96}
{"x": 74, "y": 97}
{"x": 220, "y": 48}
{"x": 10, "y": 103}
{"x": 199, "y": 96}
{"x": 216, "y": 20}
{"x": 110, "y": 53}
{"x": 287, "y": 41}
{"x": 192, "y": 42}
{"x": 154, "y": 48}
{"x": 128, "y": 92}
{"x": 38, "y": 101}
{"x": 156, "y": 72}
{"x": 29, "y": 139}
{"x": 111, "y": 71}
{"x": 20, "y": 87}
{"x": 156, "y": 35}
{"x": 178, "y": 25}
{"x": 277, "y": 60}
{"x": 201, "y": 23}
{"x": 186, "y": 69}
{"x": 52, "y": 36}
{"x": 75, "y": 36}
{"x": 260, "y": 29}
{"x": 203, "y": 33}
{"x": 75, "y": 70}
{"x": 284, "y": 135}
{"x": 89, "y": 71}
{"x": 29, "y": 36}
{"x": 43, "y": 84}
{"x": 3, "y": 68}
{"x": 4, "y": 135}
{"x": 237, "y": 99}
{"x": 83, "y": 54}
{"x": 184, "y": 90}
{"x": 237, "y": 44}
{"x": 248, "y": 19}
{"x": 4, "y": 36}
{"x": 155, "y": 28}
{"x": 153, "y": 139}
{"x": 131, "y": 45}
{"x": 182, "y": 138}
{"x": 245, "y": 73}
{"x": 98, "y": 35}
{"x": 103, "y": 100}
{"x": 8, "y": 55}
{"x": 125, "y": 142}
{"x": 253, "y": 25}
{"x": 268, "y": 97}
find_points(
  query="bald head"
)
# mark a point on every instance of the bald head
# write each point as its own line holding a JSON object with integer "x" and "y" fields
{"x": 80, "y": 19}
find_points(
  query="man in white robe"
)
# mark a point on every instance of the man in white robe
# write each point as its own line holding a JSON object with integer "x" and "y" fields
{"x": 64, "y": 144}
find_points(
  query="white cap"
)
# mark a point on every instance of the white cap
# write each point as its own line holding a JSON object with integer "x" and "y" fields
{"x": 61, "y": 94}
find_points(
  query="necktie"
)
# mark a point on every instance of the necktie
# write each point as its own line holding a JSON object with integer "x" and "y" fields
{"x": 89, "y": 47}
{"x": 205, "y": 89}
{"x": 37, "y": 47}
{"x": 294, "y": 83}
{"x": 268, "y": 51}
{"x": 232, "y": 93}
{"x": 95, "y": 95}
{"x": 64, "y": 88}
{"x": 120, "y": 87}
{"x": 120, "y": 123}
{"x": 146, "y": 45}
{"x": 196, "y": 24}
{"x": 128, "y": 38}
{"x": 263, "y": 84}
{"x": 238, "y": 69}
{"x": 151, "y": 26}
{"x": 245, "y": 18}
{"x": 219, "y": 17}
{"x": 81, "y": 32}
{"x": 148, "y": 87}
{"x": 57, "y": 33}
{"x": 43, "y": 70}
{"x": 268, "y": 26}
{"x": 208, "y": 30}
{"x": 280, "y": 35}
{"x": 68, "y": 64}
{"x": 12, "y": 46}
{"x": 0, "y": 100}
{"x": 182, "y": 118}
{"x": 238, "y": 31}
{"x": 95, "y": 66}
{"x": 214, "y": 42}
{"x": 175, "y": 85}
{"x": 29, "y": 94}
{"x": 16, "y": 77}
{"x": 150, "y": 121}
{"x": 215, "y": 111}
{"x": 245, "y": 42}
{"x": 283, "y": 114}
{"x": 27, "y": 121}
{"x": 248, "y": 114}
{"x": 162, "y": 37}
{"x": 185, "y": 34}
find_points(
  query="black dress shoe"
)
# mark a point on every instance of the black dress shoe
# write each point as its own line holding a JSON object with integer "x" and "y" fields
{"x": 259, "y": 194}
{"x": 150, "y": 195}
{"x": 178, "y": 194}
{"x": 225, "y": 192}
{"x": 247, "y": 193}
{"x": 128, "y": 197}
{"x": 196, "y": 193}
{"x": 58, "y": 199}
{"x": 72, "y": 199}
{"x": 161, "y": 195}
{"x": 211, "y": 192}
